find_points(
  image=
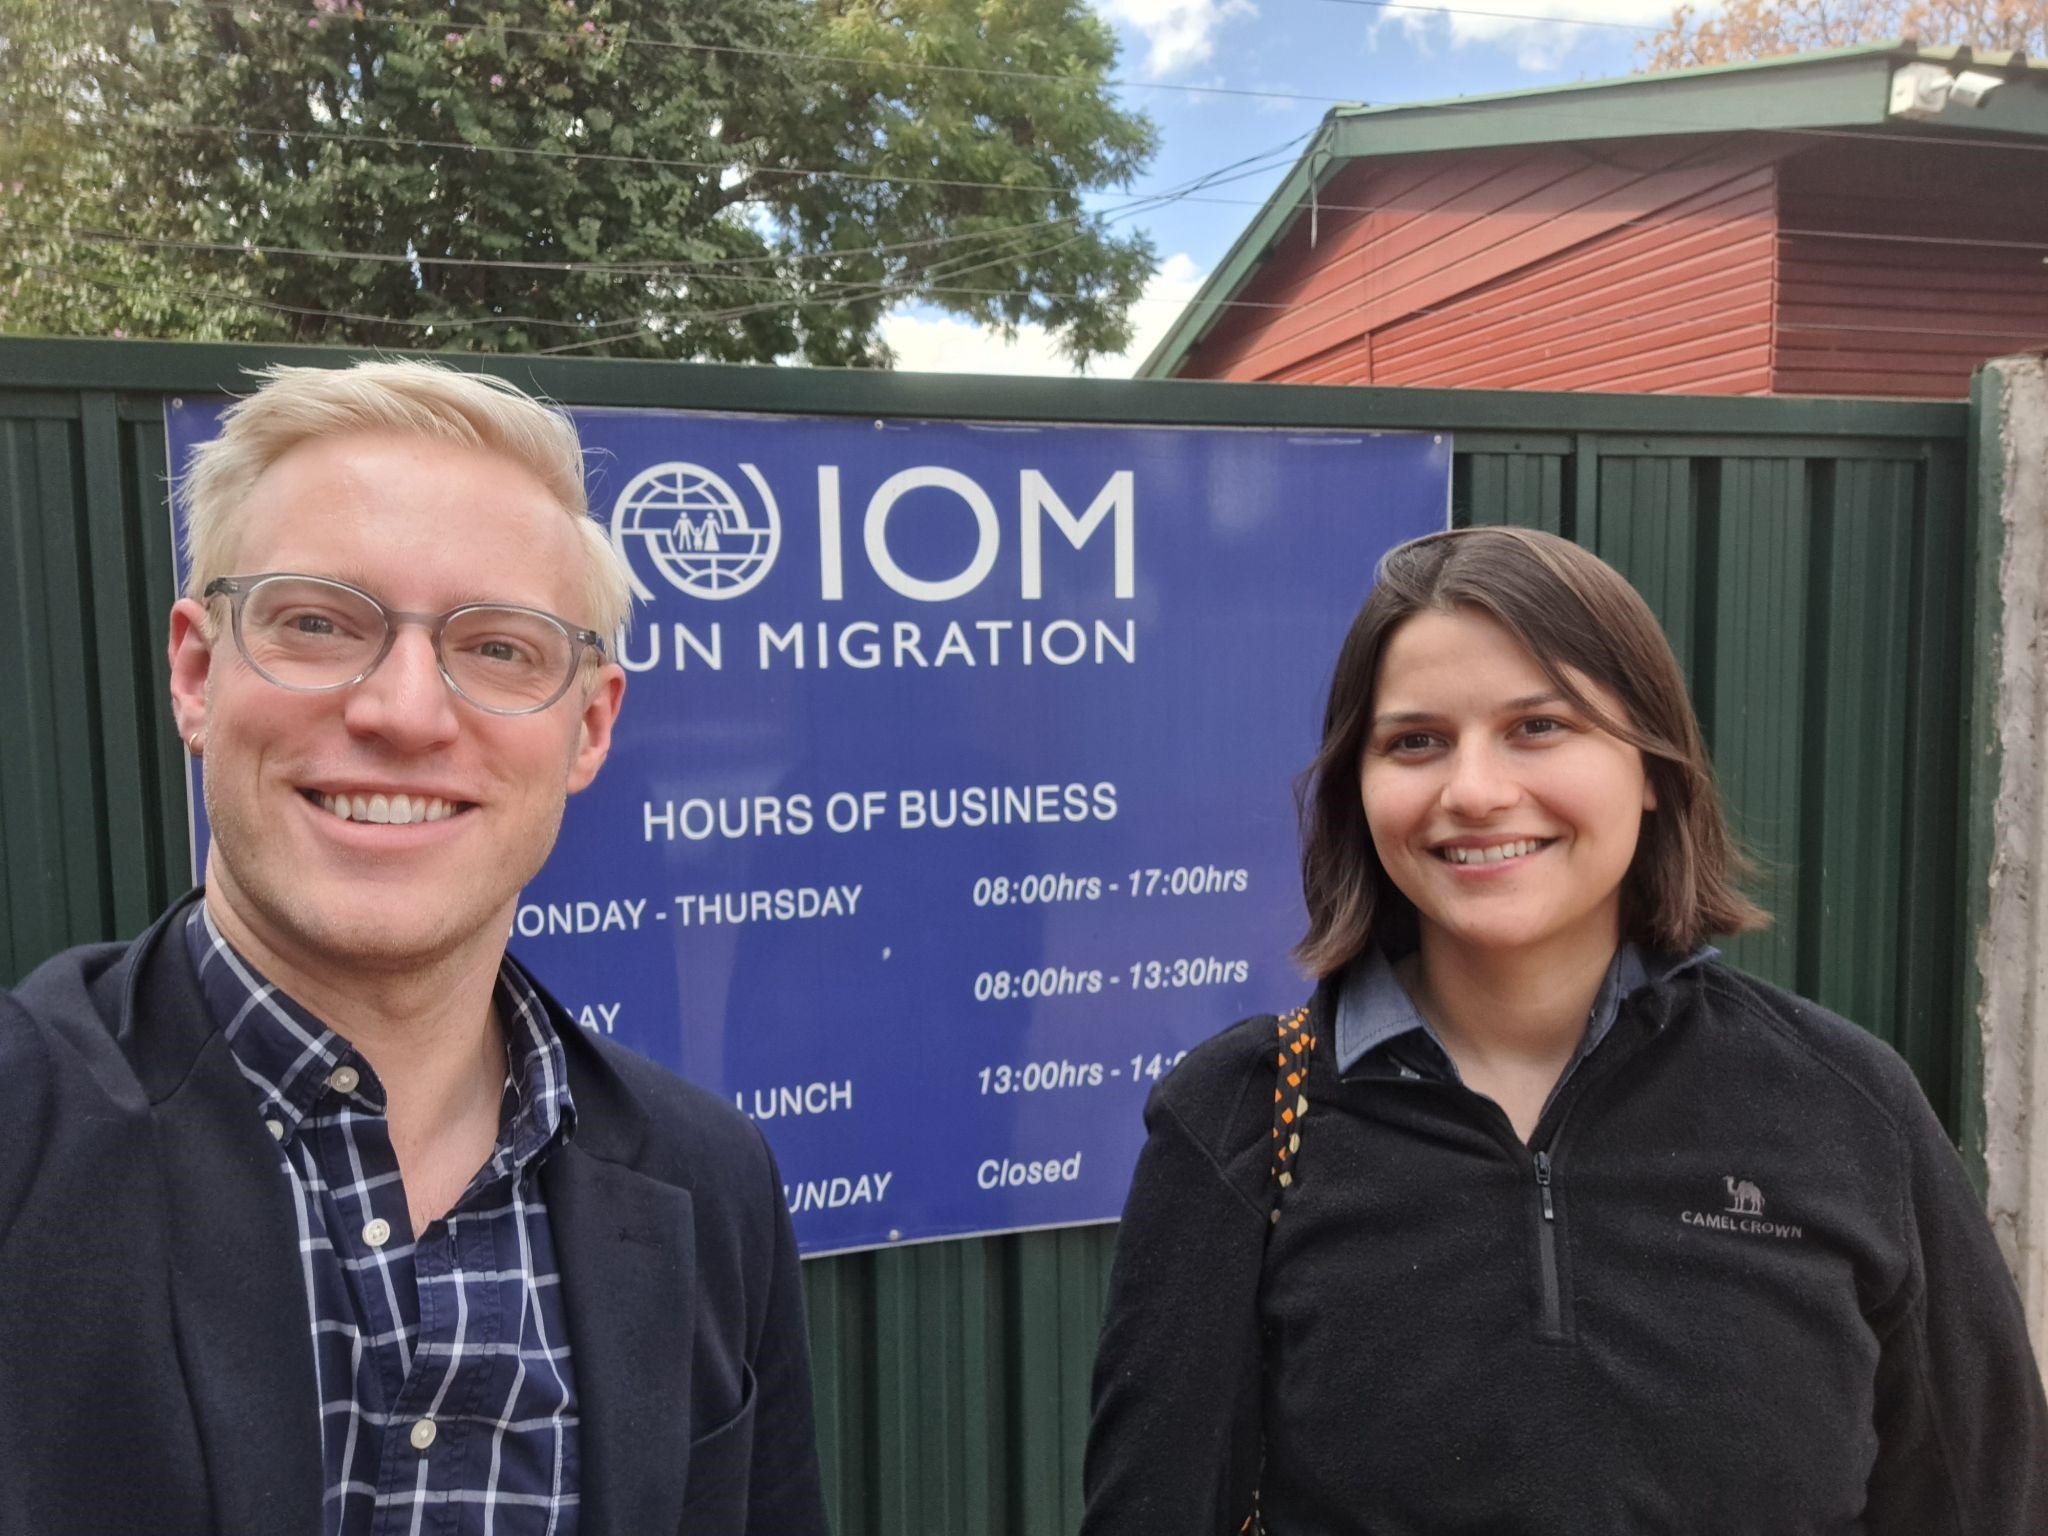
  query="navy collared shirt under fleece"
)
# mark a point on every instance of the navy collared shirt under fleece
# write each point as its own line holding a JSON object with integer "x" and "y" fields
{"x": 447, "y": 1402}
{"x": 1374, "y": 1011}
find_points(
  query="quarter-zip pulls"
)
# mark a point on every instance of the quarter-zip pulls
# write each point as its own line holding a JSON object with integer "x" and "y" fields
{"x": 1570, "y": 1091}
{"x": 1552, "y": 1324}
{"x": 1600, "y": 1069}
{"x": 1546, "y": 1252}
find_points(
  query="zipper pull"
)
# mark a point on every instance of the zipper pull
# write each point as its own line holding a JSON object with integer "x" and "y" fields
{"x": 1543, "y": 1184}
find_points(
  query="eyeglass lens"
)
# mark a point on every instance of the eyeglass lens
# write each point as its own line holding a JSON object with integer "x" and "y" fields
{"x": 304, "y": 633}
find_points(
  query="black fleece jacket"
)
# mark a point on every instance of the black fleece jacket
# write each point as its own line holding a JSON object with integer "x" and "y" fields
{"x": 1756, "y": 1294}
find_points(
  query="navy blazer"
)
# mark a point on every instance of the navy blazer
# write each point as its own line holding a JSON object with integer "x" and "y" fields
{"x": 156, "y": 1365}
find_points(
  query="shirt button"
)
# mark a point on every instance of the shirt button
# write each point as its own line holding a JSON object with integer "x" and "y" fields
{"x": 423, "y": 1432}
{"x": 344, "y": 1079}
{"x": 276, "y": 1128}
{"x": 377, "y": 1232}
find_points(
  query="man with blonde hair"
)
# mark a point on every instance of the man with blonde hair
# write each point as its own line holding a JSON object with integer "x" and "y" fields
{"x": 317, "y": 1213}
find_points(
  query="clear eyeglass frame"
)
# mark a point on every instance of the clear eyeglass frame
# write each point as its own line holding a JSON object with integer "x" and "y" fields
{"x": 238, "y": 589}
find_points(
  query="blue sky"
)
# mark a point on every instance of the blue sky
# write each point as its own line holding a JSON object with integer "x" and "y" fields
{"x": 1323, "y": 51}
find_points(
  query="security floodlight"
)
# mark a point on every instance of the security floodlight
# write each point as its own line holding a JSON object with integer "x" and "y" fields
{"x": 1920, "y": 90}
{"x": 1923, "y": 90}
{"x": 1972, "y": 86}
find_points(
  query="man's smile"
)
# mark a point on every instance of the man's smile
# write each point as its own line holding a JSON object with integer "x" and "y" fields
{"x": 393, "y": 808}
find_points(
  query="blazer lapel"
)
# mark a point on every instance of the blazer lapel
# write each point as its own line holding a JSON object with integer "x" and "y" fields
{"x": 627, "y": 1253}
{"x": 243, "y": 1325}
{"x": 238, "y": 1296}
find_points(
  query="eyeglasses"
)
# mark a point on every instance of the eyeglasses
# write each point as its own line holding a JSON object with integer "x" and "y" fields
{"x": 311, "y": 635}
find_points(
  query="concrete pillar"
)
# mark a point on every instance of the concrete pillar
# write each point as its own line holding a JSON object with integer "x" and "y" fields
{"x": 2012, "y": 944}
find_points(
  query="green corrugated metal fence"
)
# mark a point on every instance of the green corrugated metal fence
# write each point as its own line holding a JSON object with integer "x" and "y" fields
{"x": 1811, "y": 560}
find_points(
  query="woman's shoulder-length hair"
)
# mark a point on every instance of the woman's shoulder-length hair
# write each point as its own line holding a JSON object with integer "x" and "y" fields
{"x": 1582, "y": 623}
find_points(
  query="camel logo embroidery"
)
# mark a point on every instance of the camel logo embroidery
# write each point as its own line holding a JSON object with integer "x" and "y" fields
{"x": 1742, "y": 1214}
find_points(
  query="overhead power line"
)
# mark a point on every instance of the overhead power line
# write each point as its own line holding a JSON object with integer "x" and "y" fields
{"x": 951, "y": 268}
{"x": 947, "y": 268}
{"x": 411, "y": 259}
{"x": 622, "y": 329}
{"x": 670, "y": 162}
{"x": 856, "y": 61}
{"x": 721, "y": 265}
{"x": 854, "y": 293}
{"x": 1467, "y": 10}
{"x": 595, "y": 156}
{"x": 1222, "y": 175}
{"x": 920, "y": 66}
{"x": 1186, "y": 192}
{"x": 938, "y": 278}
{"x": 941, "y": 282}
{"x": 228, "y": 297}
{"x": 922, "y": 283}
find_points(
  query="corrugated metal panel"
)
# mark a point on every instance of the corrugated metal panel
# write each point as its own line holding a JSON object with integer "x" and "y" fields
{"x": 1651, "y": 530}
{"x": 1366, "y": 214}
{"x": 1904, "y": 295}
{"x": 92, "y": 818}
{"x": 953, "y": 1382}
{"x": 1753, "y": 701}
{"x": 1427, "y": 247}
{"x": 1522, "y": 488}
{"x": 1453, "y": 241}
{"x": 1679, "y": 302}
{"x": 1857, "y": 317}
{"x": 1814, "y": 586}
{"x": 1834, "y": 92}
{"x": 1816, "y": 602}
{"x": 1700, "y": 261}
{"x": 1406, "y": 228}
{"x": 1859, "y": 266}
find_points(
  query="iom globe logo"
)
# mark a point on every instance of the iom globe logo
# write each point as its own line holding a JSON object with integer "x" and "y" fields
{"x": 695, "y": 531}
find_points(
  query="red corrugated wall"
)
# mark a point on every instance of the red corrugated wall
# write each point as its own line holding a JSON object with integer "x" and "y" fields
{"x": 1633, "y": 265}
{"x": 1903, "y": 266}
{"x": 1823, "y": 263}
{"x": 1681, "y": 302}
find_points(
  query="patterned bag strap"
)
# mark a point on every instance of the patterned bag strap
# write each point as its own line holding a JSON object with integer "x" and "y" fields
{"x": 1294, "y": 1048}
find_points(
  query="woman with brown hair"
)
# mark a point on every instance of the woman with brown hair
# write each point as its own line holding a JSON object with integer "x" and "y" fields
{"x": 1540, "y": 1219}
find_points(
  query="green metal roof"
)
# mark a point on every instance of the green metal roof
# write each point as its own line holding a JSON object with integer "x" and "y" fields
{"x": 1838, "y": 88}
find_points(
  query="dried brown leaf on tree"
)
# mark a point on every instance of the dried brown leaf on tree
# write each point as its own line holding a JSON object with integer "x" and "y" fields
{"x": 1761, "y": 29}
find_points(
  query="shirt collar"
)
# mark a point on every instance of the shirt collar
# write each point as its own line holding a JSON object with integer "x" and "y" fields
{"x": 1374, "y": 1008}
{"x": 292, "y": 1059}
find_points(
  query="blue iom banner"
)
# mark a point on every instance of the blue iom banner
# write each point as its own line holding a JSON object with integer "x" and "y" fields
{"x": 952, "y": 801}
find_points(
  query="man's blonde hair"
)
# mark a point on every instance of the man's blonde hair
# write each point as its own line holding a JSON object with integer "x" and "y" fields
{"x": 429, "y": 400}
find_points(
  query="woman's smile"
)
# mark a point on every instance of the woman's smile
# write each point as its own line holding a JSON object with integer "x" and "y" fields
{"x": 1485, "y": 854}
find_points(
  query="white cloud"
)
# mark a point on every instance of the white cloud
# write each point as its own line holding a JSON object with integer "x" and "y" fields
{"x": 936, "y": 343}
{"x": 1178, "y": 33}
{"x": 1542, "y": 37}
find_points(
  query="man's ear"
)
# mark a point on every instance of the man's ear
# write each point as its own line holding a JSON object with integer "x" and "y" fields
{"x": 191, "y": 653}
{"x": 594, "y": 726}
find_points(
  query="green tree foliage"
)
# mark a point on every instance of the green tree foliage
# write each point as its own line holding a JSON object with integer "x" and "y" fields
{"x": 726, "y": 179}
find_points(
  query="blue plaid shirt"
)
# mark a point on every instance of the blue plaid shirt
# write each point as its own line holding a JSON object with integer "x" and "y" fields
{"x": 447, "y": 1403}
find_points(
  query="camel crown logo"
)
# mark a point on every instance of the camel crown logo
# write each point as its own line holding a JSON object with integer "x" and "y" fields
{"x": 1744, "y": 1213}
